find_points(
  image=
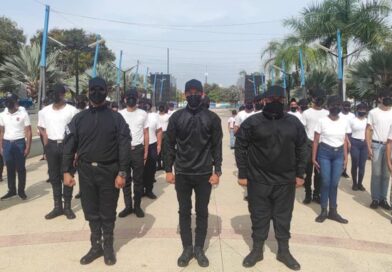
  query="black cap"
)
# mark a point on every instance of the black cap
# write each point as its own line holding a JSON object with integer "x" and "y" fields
{"x": 97, "y": 82}
{"x": 193, "y": 84}
{"x": 317, "y": 93}
{"x": 275, "y": 91}
{"x": 132, "y": 93}
{"x": 11, "y": 97}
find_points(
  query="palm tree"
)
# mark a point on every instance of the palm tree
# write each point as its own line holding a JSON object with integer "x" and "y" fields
{"x": 22, "y": 71}
{"x": 322, "y": 78}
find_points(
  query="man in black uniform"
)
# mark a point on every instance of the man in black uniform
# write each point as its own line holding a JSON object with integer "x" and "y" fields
{"x": 193, "y": 142}
{"x": 101, "y": 138}
{"x": 271, "y": 152}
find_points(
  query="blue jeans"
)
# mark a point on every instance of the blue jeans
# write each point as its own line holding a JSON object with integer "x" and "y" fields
{"x": 331, "y": 162}
{"x": 13, "y": 153}
{"x": 232, "y": 138}
{"x": 379, "y": 182}
{"x": 359, "y": 155}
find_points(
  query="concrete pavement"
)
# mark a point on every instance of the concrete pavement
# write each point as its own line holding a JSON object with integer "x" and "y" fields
{"x": 28, "y": 242}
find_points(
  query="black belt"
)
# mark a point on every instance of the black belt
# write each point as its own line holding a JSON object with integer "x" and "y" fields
{"x": 134, "y": 147}
{"x": 359, "y": 140}
{"x": 99, "y": 163}
{"x": 332, "y": 148}
{"x": 55, "y": 141}
{"x": 378, "y": 142}
{"x": 14, "y": 141}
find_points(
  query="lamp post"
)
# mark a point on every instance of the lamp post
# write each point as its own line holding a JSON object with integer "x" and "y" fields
{"x": 160, "y": 93}
{"x": 42, "y": 71}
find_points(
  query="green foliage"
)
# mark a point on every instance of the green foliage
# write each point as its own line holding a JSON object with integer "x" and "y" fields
{"x": 222, "y": 94}
{"x": 11, "y": 38}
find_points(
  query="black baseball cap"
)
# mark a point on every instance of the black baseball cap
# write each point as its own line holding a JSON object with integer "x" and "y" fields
{"x": 194, "y": 84}
{"x": 275, "y": 91}
{"x": 97, "y": 82}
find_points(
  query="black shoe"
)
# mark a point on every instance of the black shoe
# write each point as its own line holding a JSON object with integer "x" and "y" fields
{"x": 307, "y": 199}
{"x": 186, "y": 257}
{"x": 288, "y": 260}
{"x": 256, "y": 255}
{"x": 124, "y": 213}
{"x": 374, "y": 204}
{"x": 361, "y": 188}
{"x": 8, "y": 195}
{"x": 201, "y": 258}
{"x": 150, "y": 195}
{"x": 139, "y": 212}
{"x": 245, "y": 198}
{"x": 57, "y": 210}
{"x": 384, "y": 204}
{"x": 345, "y": 175}
{"x": 355, "y": 187}
{"x": 68, "y": 211}
{"x": 22, "y": 195}
{"x": 48, "y": 180}
{"x": 333, "y": 215}
{"x": 316, "y": 198}
{"x": 77, "y": 196}
{"x": 108, "y": 251}
{"x": 94, "y": 253}
{"x": 323, "y": 216}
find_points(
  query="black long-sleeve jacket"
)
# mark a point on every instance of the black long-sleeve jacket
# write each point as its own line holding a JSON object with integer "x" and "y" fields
{"x": 97, "y": 135}
{"x": 193, "y": 142}
{"x": 271, "y": 151}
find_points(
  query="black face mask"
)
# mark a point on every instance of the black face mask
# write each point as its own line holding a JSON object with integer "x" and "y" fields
{"x": 387, "y": 101}
{"x": 274, "y": 109}
{"x": 304, "y": 108}
{"x": 319, "y": 101}
{"x": 146, "y": 107}
{"x": 81, "y": 105}
{"x": 161, "y": 109}
{"x": 259, "y": 107}
{"x": 57, "y": 97}
{"x": 334, "y": 111}
{"x": 361, "y": 113}
{"x": 346, "y": 110}
{"x": 10, "y": 105}
{"x": 194, "y": 101}
{"x": 293, "y": 109}
{"x": 131, "y": 102}
{"x": 97, "y": 96}
{"x": 249, "y": 106}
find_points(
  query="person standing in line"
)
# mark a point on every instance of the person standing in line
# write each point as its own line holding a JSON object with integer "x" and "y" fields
{"x": 102, "y": 140}
{"x": 259, "y": 103}
{"x": 171, "y": 109}
{"x": 294, "y": 111}
{"x": 15, "y": 143}
{"x": 53, "y": 122}
{"x": 193, "y": 144}
{"x": 358, "y": 151}
{"x": 137, "y": 121}
{"x": 330, "y": 152}
{"x": 154, "y": 148}
{"x": 271, "y": 157}
{"x": 230, "y": 125}
{"x": 310, "y": 118}
{"x": 242, "y": 115}
{"x": 303, "y": 105}
{"x": 348, "y": 116}
{"x": 164, "y": 120}
{"x": 377, "y": 129}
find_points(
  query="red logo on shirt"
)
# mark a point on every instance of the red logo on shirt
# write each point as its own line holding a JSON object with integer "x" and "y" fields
{"x": 17, "y": 119}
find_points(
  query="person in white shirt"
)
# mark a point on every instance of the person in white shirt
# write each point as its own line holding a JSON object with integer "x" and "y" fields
{"x": 155, "y": 147}
{"x": 15, "y": 143}
{"x": 329, "y": 156}
{"x": 310, "y": 118}
{"x": 348, "y": 116}
{"x": 52, "y": 123}
{"x": 137, "y": 121}
{"x": 171, "y": 109}
{"x": 294, "y": 110}
{"x": 259, "y": 103}
{"x": 230, "y": 126}
{"x": 358, "y": 150}
{"x": 378, "y": 125}
{"x": 164, "y": 120}
{"x": 242, "y": 115}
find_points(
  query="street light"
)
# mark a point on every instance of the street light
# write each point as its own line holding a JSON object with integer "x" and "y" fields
{"x": 160, "y": 93}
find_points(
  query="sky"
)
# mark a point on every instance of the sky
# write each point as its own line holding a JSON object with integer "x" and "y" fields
{"x": 218, "y": 37}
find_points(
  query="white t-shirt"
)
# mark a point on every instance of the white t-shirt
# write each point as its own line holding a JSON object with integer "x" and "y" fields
{"x": 298, "y": 115}
{"x": 164, "y": 120}
{"x": 241, "y": 117}
{"x": 56, "y": 121}
{"x": 380, "y": 121}
{"x": 19, "y": 108}
{"x": 153, "y": 125}
{"x": 231, "y": 122}
{"x": 310, "y": 118}
{"x": 331, "y": 132}
{"x": 170, "y": 112}
{"x": 349, "y": 116}
{"x": 14, "y": 124}
{"x": 358, "y": 128}
{"x": 137, "y": 121}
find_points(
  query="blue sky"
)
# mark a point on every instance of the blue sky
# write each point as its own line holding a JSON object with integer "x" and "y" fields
{"x": 208, "y": 44}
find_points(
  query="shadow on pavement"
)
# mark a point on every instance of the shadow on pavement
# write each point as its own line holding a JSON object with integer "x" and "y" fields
{"x": 300, "y": 196}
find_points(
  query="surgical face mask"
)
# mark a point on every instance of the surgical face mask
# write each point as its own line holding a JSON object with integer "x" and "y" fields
{"x": 334, "y": 110}
{"x": 194, "y": 100}
{"x": 318, "y": 101}
{"x": 362, "y": 113}
{"x": 275, "y": 109}
{"x": 293, "y": 109}
{"x": 97, "y": 95}
{"x": 259, "y": 107}
{"x": 387, "y": 101}
{"x": 131, "y": 102}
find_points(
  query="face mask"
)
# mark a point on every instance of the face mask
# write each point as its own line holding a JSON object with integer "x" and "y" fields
{"x": 56, "y": 97}
{"x": 259, "y": 107}
{"x": 361, "y": 113}
{"x": 387, "y": 101}
{"x": 334, "y": 111}
{"x": 97, "y": 96}
{"x": 131, "y": 102}
{"x": 293, "y": 109}
{"x": 304, "y": 108}
{"x": 249, "y": 106}
{"x": 146, "y": 107}
{"x": 318, "y": 101}
{"x": 274, "y": 109}
{"x": 10, "y": 105}
{"x": 81, "y": 105}
{"x": 346, "y": 109}
{"x": 194, "y": 100}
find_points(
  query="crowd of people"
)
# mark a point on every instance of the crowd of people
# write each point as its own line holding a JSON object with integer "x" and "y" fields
{"x": 113, "y": 147}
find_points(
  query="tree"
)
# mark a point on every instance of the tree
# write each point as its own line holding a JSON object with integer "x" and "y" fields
{"x": 322, "y": 78}
{"x": 22, "y": 71}
{"x": 11, "y": 38}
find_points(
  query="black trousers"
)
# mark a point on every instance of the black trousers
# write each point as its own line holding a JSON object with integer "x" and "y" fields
{"x": 150, "y": 168}
{"x": 1, "y": 166}
{"x": 99, "y": 196}
{"x": 309, "y": 172}
{"x": 160, "y": 162}
{"x": 54, "y": 157}
{"x": 268, "y": 202}
{"x": 135, "y": 176}
{"x": 184, "y": 186}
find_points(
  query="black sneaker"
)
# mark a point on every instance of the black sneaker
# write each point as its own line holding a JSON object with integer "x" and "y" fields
{"x": 139, "y": 212}
{"x": 186, "y": 257}
{"x": 361, "y": 188}
{"x": 245, "y": 198}
{"x": 22, "y": 195}
{"x": 307, "y": 199}
{"x": 150, "y": 195}
{"x": 374, "y": 204}
{"x": 345, "y": 175}
{"x": 384, "y": 204}
{"x": 201, "y": 258}
{"x": 355, "y": 187}
{"x": 127, "y": 211}
{"x": 8, "y": 195}
{"x": 316, "y": 198}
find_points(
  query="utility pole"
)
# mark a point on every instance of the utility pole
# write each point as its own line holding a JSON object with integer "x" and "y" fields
{"x": 119, "y": 80}
{"x": 42, "y": 78}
